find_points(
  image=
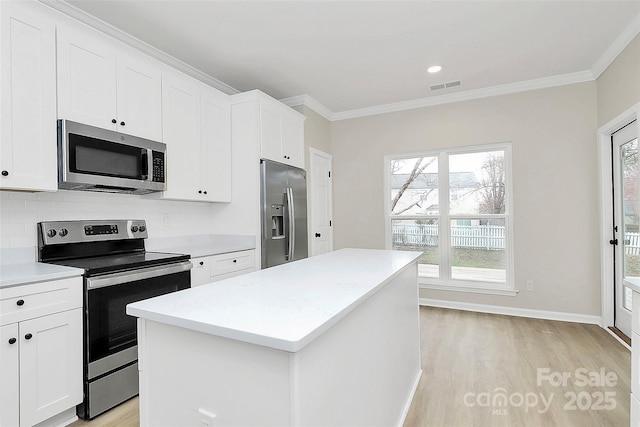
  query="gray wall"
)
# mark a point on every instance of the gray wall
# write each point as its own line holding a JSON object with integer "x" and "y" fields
{"x": 619, "y": 85}
{"x": 553, "y": 135}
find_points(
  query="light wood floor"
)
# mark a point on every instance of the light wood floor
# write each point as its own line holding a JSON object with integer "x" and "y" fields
{"x": 466, "y": 354}
{"x": 469, "y": 359}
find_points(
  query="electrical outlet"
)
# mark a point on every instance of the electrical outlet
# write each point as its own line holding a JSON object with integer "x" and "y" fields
{"x": 207, "y": 419}
{"x": 167, "y": 220}
{"x": 529, "y": 285}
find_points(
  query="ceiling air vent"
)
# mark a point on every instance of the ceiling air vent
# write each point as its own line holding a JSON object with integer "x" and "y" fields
{"x": 445, "y": 85}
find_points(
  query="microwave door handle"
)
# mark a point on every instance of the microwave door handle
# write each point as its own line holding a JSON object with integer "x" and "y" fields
{"x": 145, "y": 158}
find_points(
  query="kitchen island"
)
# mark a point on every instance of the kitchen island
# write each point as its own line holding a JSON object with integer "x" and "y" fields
{"x": 329, "y": 340}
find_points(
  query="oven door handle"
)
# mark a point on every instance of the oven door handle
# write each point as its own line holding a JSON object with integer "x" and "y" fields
{"x": 139, "y": 274}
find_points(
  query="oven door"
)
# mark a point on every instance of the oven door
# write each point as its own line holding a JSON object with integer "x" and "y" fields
{"x": 110, "y": 334}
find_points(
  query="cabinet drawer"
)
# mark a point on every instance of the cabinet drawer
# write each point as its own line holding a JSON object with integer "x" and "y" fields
{"x": 232, "y": 262}
{"x": 24, "y": 302}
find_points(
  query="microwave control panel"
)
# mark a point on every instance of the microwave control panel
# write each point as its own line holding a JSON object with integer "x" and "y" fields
{"x": 158, "y": 166}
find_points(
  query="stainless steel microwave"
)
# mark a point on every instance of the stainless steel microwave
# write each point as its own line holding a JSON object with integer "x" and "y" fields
{"x": 94, "y": 159}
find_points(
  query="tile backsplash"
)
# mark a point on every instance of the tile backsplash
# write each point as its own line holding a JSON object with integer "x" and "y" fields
{"x": 20, "y": 212}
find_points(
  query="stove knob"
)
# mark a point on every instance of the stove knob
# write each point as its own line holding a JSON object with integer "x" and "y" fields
{"x": 63, "y": 232}
{"x": 134, "y": 228}
{"x": 142, "y": 228}
{"x": 51, "y": 232}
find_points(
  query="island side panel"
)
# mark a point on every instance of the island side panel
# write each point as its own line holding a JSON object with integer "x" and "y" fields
{"x": 364, "y": 370}
{"x": 183, "y": 371}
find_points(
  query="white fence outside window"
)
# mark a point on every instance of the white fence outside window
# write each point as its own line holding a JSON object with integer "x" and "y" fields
{"x": 489, "y": 237}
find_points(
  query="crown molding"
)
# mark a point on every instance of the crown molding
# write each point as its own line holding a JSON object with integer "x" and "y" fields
{"x": 621, "y": 42}
{"x": 546, "y": 82}
{"x": 310, "y": 102}
{"x": 97, "y": 24}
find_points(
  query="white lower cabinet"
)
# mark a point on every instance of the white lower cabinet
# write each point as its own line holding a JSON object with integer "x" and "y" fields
{"x": 40, "y": 357}
{"x": 10, "y": 374}
{"x": 214, "y": 268}
{"x": 201, "y": 271}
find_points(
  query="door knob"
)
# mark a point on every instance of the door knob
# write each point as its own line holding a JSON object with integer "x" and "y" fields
{"x": 318, "y": 234}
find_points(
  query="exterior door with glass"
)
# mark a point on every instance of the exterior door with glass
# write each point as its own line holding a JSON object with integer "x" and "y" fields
{"x": 626, "y": 226}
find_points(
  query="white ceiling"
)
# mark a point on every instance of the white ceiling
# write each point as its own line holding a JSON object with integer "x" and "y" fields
{"x": 354, "y": 55}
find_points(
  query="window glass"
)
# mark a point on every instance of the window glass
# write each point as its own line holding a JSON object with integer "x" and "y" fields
{"x": 414, "y": 186}
{"x": 419, "y": 235}
{"x": 478, "y": 250}
{"x": 477, "y": 183}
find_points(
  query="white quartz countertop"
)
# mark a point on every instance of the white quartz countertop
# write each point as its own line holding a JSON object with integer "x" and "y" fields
{"x": 284, "y": 307}
{"x": 32, "y": 272}
{"x": 204, "y": 245}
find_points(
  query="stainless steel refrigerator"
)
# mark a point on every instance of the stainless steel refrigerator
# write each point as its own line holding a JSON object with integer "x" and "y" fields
{"x": 283, "y": 195}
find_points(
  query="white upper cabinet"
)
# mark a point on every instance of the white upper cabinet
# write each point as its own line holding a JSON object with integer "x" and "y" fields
{"x": 28, "y": 85}
{"x": 139, "y": 89}
{"x": 196, "y": 129}
{"x": 215, "y": 145}
{"x": 103, "y": 84}
{"x": 281, "y": 129}
{"x": 181, "y": 129}
{"x": 281, "y": 133}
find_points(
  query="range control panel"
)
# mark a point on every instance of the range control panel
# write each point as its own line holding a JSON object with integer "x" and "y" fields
{"x": 58, "y": 232}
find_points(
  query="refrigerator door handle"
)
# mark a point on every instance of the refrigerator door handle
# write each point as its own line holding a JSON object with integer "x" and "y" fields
{"x": 292, "y": 225}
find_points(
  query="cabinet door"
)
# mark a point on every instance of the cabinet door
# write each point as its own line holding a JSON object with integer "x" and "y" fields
{"x": 181, "y": 130}
{"x": 86, "y": 78}
{"x": 215, "y": 148}
{"x": 270, "y": 134}
{"x": 28, "y": 87}
{"x": 9, "y": 372}
{"x": 139, "y": 97}
{"x": 50, "y": 365}
{"x": 293, "y": 142}
{"x": 201, "y": 271}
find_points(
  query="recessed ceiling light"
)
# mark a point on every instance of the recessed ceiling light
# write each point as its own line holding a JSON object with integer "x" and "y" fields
{"x": 434, "y": 69}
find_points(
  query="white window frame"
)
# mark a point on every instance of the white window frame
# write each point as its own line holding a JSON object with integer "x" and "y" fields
{"x": 445, "y": 282}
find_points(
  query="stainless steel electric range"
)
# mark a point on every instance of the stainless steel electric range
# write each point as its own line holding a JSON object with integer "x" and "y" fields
{"x": 118, "y": 271}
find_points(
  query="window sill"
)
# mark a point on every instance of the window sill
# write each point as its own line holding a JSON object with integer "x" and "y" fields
{"x": 476, "y": 288}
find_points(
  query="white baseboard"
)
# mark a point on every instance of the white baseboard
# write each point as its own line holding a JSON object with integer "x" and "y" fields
{"x": 513, "y": 311}
{"x": 407, "y": 405}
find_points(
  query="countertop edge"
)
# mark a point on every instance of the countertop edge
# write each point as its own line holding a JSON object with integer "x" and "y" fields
{"x": 56, "y": 273}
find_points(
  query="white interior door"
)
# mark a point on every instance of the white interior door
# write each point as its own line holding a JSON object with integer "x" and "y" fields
{"x": 321, "y": 202}
{"x": 626, "y": 224}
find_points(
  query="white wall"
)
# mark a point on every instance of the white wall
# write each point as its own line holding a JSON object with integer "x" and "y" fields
{"x": 553, "y": 136}
{"x": 20, "y": 212}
